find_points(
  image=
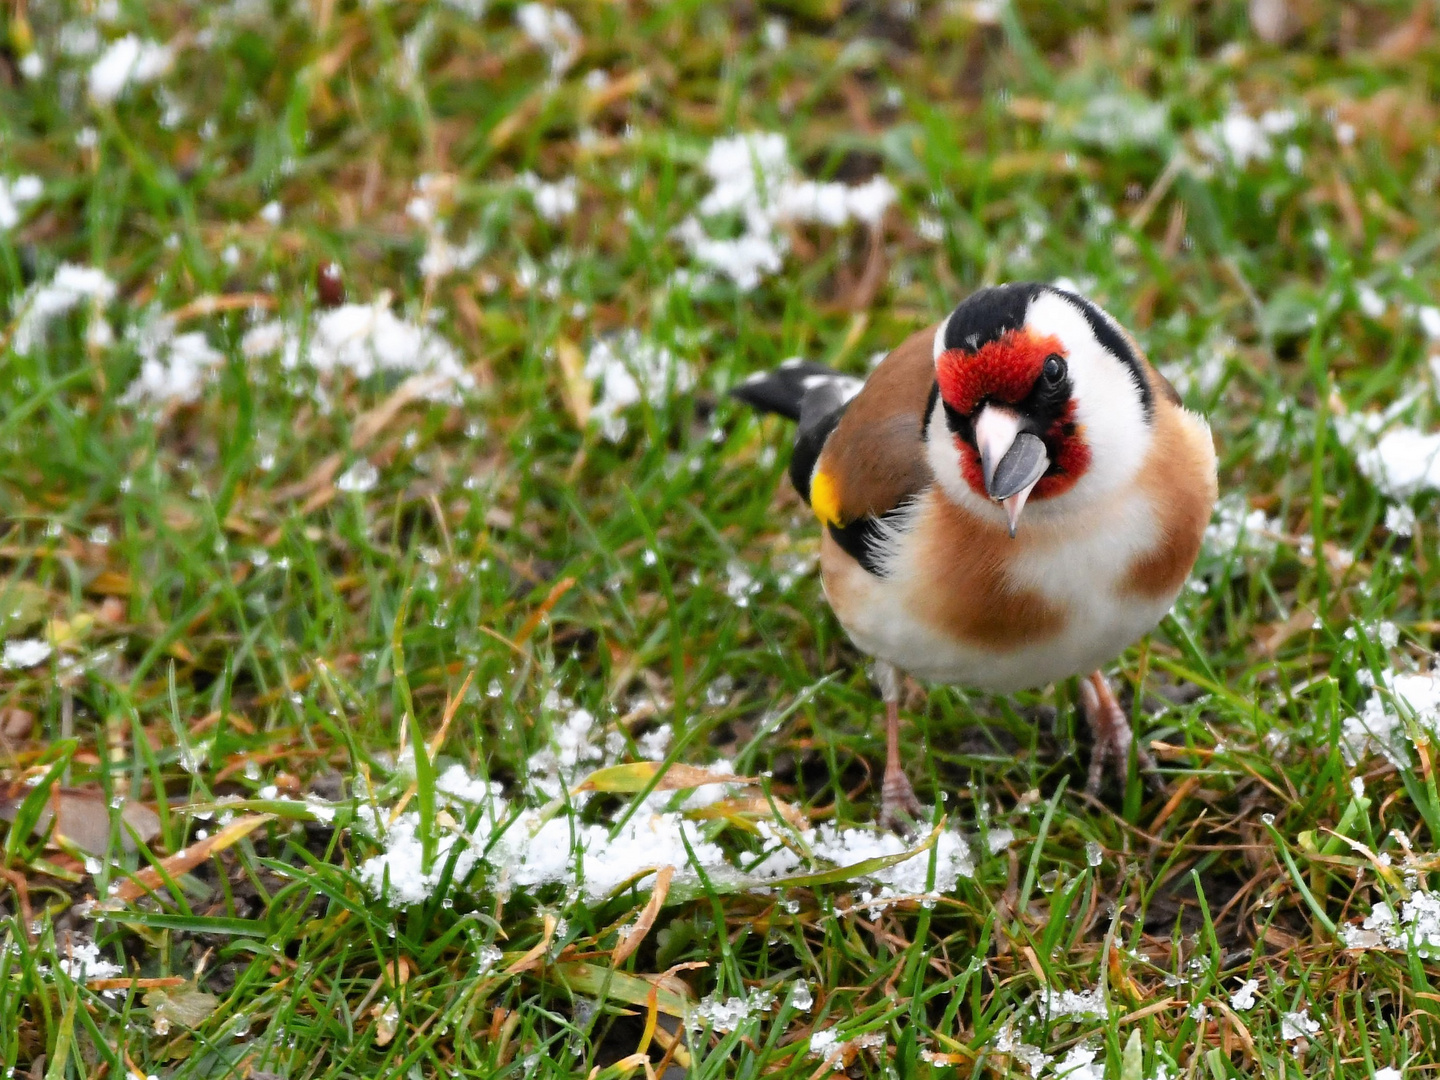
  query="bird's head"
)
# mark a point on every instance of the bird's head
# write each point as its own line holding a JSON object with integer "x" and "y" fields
{"x": 1040, "y": 399}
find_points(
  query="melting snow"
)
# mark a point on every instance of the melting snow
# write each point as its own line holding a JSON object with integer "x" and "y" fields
{"x": 1416, "y": 928}
{"x": 128, "y": 61}
{"x": 1237, "y": 529}
{"x": 82, "y": 961}
{"x": 1079, "y": 1064}
{"x": 1007, "y": 1041}
{"x": 731, "y": 1013}
{"x": 174, "y": 368}
{"x": 1240, "y": 138}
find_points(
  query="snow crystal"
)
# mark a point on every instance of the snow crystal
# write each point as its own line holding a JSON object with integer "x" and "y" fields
{"x": 627, "y": 370}
{"x": 15, "y": 195}
{"x": 1371, "y": 302}
{"x": 81, "y": 961}
{"x": 850, "y": 846}
{"x": 128, "y": 61}
{"x": 553, "y": 201}
{"x": 1417, "y": 927}
{"x": 751, "y": 176}
{"x": 398, "y": 872}
{"x": 653, "y": 744}
{"x": 554, "y": 31}
{"x": 272, "y": 213}
{"x": 1079, "y": 1064}
{"x": 362, "y": 339}
{"x": 24, "y": 653}
{"x": 1400, "y": 519}
{"x": 1007, "y": 1041}
{"x": 826, "y": 1044}
{"x": 998, "y": 840}
{"x": 1243, "y": 999}
{"x": 41, "y": 305}
{"x": 1379, "y": 729}
{"x": 1298, "y": 1025}
{"x": 1237, "y": 529}
{"x": 1059, "y": 1004}
{"x": 730, "y": 1014}
{"x": 359, "y": 477}
{"x": 1403, "y": 463}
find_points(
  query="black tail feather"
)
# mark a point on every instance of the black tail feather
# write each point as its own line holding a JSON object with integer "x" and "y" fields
{"x": 782, "y": 389}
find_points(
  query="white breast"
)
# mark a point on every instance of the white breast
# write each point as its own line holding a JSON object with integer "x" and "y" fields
{"x": 1079, "y": 571}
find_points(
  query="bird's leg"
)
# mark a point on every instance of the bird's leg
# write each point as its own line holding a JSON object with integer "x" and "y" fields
{"x": 899, "y": 808}
{"x": 1113, "y": 737}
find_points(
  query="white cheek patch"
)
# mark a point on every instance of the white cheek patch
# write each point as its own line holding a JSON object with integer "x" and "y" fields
{"x": 1107, "y": 402}
{"x": 944, "y": 458}
{"x": 938, "y": 345}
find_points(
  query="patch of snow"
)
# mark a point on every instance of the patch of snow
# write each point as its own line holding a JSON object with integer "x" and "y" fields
{"x": 1298, "y": 1025}
{"x": 1370, "y": 301}
{"x": 1403, "y": 463}
{"x": 1243, "y": 999}
{"x": 363, "y": 339}
{"x": 174, "y": 368}
{"x": 553, "y": 31}
{"x": 554, "y": 201}
{"x": 731, "y": 1013}
{"x": 1061, "y": 1004}
{"x": 81, "y": 961}
{"x": 751, "y": 176}
{"x": 130, "y": 61}
{"x": 15, "y": 195}
{"x": 21, "y": 653}
{"x": 41, "y": 305}
{"x": 1079, "y": 1064}
{"x": 1236, "y": 529}
{"x": 627, "y": 370}
{"x": 1008, "y": 1041}
{"x": 1379, "y": 729}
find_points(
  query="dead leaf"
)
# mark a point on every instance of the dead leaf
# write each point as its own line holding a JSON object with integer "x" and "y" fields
{"x": 82, "y": 818}
{"x": 574, "y": 386}
{"x": 186, "y": 859}
{"x": 187, "y": 1006}
{"x": 16, "y": 723}
{"x": 636, "y": 776}
{"x": 387, "y": 1021}
{"x": 631, "y": 941}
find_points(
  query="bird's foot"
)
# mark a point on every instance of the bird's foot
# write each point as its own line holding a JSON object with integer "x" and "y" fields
{"x": 1113, "y": 737}
{"x": 900, "y": 811}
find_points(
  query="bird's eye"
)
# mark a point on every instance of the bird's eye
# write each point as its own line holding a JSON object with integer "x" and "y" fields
{"x": 1054, "y": 369}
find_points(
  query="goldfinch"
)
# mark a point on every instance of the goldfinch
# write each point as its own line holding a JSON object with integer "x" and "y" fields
{"x": 1013, "y": 497}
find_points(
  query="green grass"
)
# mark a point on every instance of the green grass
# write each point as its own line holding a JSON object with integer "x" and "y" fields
{"x": 246, "y": 624}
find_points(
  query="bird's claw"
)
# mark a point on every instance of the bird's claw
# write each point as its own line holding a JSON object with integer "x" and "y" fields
{"x": 900, "y": 811}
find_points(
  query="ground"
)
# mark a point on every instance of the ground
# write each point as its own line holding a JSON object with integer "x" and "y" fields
{"x": 376, "y": 529}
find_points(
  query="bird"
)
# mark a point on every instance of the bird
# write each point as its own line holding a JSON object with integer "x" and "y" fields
{"x": 1012, "y": 498}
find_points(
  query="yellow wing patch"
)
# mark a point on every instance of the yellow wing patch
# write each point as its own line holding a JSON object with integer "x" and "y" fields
{"x": 824, "y": 499}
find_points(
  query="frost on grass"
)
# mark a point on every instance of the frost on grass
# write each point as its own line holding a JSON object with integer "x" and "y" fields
{"x": 130, "y": 61}
{"x": 752, "y": 180}
{"x": 70, "y": 287}
{"x": 627, "y": 370}
{"x": 15, "y": 195}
